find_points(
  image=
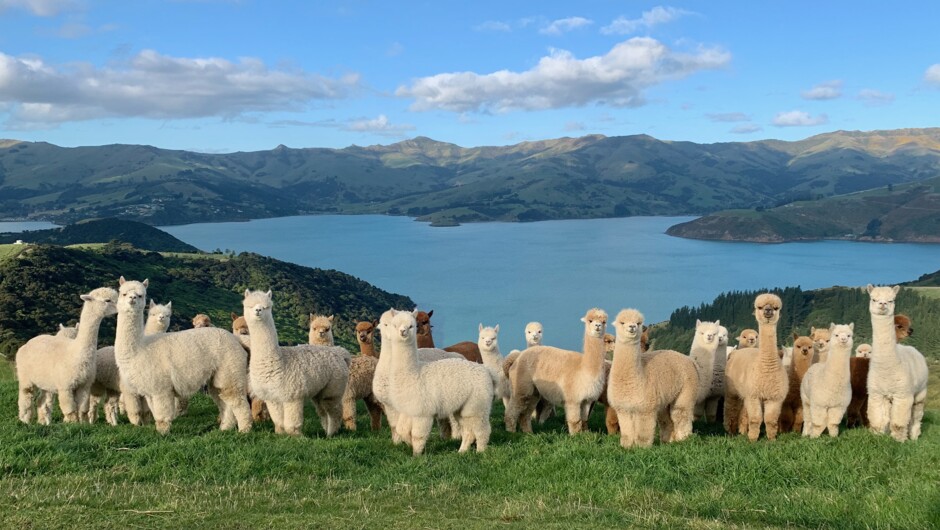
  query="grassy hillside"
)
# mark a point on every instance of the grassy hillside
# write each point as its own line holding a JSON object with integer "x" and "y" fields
{"x": 140, "y": 235}
{"x": 39, "y": 288}
{"x": 587, "y": 177}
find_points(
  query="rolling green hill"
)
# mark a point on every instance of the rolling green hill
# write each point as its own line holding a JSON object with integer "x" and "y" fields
{"x": 140, "y": 235}
{"x": 592, "y": 176}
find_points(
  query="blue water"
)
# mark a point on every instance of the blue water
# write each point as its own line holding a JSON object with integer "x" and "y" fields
{"x": 554, "y": 271}
{"x": 20, "y": 226}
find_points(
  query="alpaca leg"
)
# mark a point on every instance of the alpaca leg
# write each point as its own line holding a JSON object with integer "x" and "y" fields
{"x": 818, "y": 419}
{"x": 182, "y": 406}
{"x": 917, "y": 414}
{"x": 711, "y": 410}
{"x": 733, "y": 406}
{"x": 863, "y": 410}
{"x": 68, "y": 405}
{"x": 92, "y": 415}
{"x": 901, "y": 414}
{"x": 664, "y": 421}
{"x": 322, "y": 414}
{"x": 786, "y": 418}
{"x": 610, "y": 419}
{"x": 293, "y": 417}
{"x": 276, "y": 410}
{"x": 392, "y": 416}
{"x": 544, "y": 410}
{"x": 752, "y": 407}
{"x": 467, "y": 435}
{"x": 403, "y": 428}
{"x": 525, "y": 417}
{"x": 333, "y": 407}
{"x": 586, "y": 408}
{"x": 573, "y": 417}
{"x": 627, "y": 429}
{"x": 225, "y": 419}
{"x": 420, "y": 430}
{"x": 134, "y": 406}
{"x": 681, "y": 423}
{"x": 798, "y": 418}
{"x": 258, "y": 410}
{"x": 375, "y": 413}
{"x": 237, "y": 410}
{"x": 164, "y": 409}
{"x": 82, "y": 395}
{"x": 481, "y": 431}
{"x": 111, "y": 408}
{"x": 26, "y": 403}
{"x": 645, "y": 429}
{"x": 833, "y": 419}
{"x": 877, "y": 413}
{"x": 349, "y": 411}
{"x": 44, "y": 408}
{"x": 772, "y": 418}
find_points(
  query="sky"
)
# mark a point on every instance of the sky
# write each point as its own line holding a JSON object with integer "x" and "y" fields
{"x": 245, "y": 75}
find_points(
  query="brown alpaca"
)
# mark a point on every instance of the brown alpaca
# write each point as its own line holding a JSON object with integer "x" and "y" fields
{"x": 903, "y": 327}
{"x": 361, "y": 375}
{"x": 259, "y": 412}
{"x": 791, "y": 414}
{"x": 756, "y": 382}
{"x": 202, "y": 320}
{"x": 857, "y": 413}
{"x": 562, "y": 377}
{"x": 469, "y": 350}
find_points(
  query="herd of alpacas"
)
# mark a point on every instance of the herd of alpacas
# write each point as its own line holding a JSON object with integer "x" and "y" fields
{"x": 150, "y": 374}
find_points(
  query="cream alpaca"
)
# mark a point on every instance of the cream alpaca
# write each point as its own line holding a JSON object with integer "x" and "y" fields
{"x": 821, "y": 339}
{"x": 755, "y": 381}
{"x": 167, "y": 366}
{"x": 826, "y": 390}
{"x": 562, "y": 377}
{"x": 703, "y": 352}
{"x": 897, "y": 374}
{"x": 202, "y": 320}
{"x": 284, "y": 376}
{"x": 68, "y": 332}
{"x": 361, "y": 375}
{"x": 533, "y": 337}
{"x": 321, "y": 330}
{"x": 446, "y": 388}
{"x": 493, "y": 361}
{"x": 717, "y": 391}
{"x": 63, "y": 366}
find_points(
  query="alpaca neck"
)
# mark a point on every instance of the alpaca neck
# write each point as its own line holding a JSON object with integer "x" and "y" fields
{"x": 628, "y": 364}
{"x": 88, "y": 324}
{"x": 883, "y": 340}
{"x": 404, "y": 365}
{"x": 492, "y": 357}
{"x": 836, "y": 366}
{"x": 426, "y": 341}
{"x": 129, "y": 336}
{"x": 264, "y": 344}
{"x": 594, "y": 352}
{"x": 367, "y": 349}
{"x": 721, "y": 357}
{"x": 801, "y": 365}
{"x": 704, "y": 357}
{"x": 767, "y": 344}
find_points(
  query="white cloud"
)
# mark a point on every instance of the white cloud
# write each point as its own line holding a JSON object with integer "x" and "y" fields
{"x": 874, "y": 98}
{"x": 40, "y": 8}
{"x": 932, "y": 75}
{"x": 798, "y": 118}
{"x": 657, "y": 15}
{"x": 151, "y": 85}
{"x": 728, "y": 117}
{"x": 380, "y": 125}
{"x": 746, "y": 128}
{"x": 493, "y": 25}
{"x": 827, "y": 90}
{"x": 564, "y": 25}
{"x": 572, "y": 126}
{"x": 559, "y": 80}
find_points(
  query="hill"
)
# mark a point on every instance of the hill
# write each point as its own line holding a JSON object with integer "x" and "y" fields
{"x": 140, "y": 235}
{"x": 588, "y": 177}
{"x": 39, "y": 288}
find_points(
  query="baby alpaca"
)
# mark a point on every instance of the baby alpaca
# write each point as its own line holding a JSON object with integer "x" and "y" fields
{"x": 826, "y": 390}
{"x": 747, "y": 339}
{"x": 792, "y": 413}
{"x": 202, "y": 320}
{"x": 321, "y": 330}
{"x": 59, "y": 365}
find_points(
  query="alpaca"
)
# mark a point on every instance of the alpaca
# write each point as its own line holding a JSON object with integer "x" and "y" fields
{"x": 755, "y": 382}
{"x": 703, "y": 353}
{"x": 321, "y": 330}
{"x": 863, "y": 351}
{"x": 202, "y": 320}
{"x": 903, "y": 327}
{"x": 59, "y": 365}
{"x": 533, "y": 337}
{"x": 562, "y": 377}
{"x": 361, "y": 376}
{"x": 897, "y": 374}
{"x": 284, "y": 376}
{"x": 857, "y": 413}
{"x": 446, "y": 388}
{"x": 68, "y": 332}
{"x": 826, "y": 390}
{"x": 821, "y": 339}
{"x": 610, "y": 415}
{"x": 717, "y": 392}
{"x": 167, "y": 366}
{"x": 365, "y": 336}
{"x": 107, "y": 384}
{"x": 469, "y": 350}
{"x": 646, "y": 389}
{"x": 259, "y": 412}
{"x": 609, "y": 341}
{"x": 791, "y": 413}
{"x": 747, "y": 338}
{"x": 493, "y": 361}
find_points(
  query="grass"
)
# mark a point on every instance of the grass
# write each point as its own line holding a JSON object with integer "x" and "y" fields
{"x": 10, "y": 251}
{"x": 82, "y": 475}
{"x": 928, "y": 292}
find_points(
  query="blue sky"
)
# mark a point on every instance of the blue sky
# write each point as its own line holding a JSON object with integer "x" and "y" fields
{"x": 221, "y": 76}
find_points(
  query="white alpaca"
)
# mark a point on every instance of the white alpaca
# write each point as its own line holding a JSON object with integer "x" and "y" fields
{"x": 704, "y": 350}
{"x": 168, "y": 366}
{"x": 533, "y": 334}
{"x": 68, "y": 332}
{"x": 59, "y": 365}
{"x": 493, "y": 361}
{"x": 447, "y": 388}
{"x": 897, "y": 376}
{"x": 107, "y": 384}
{"x": 826, "y": 389}
{"x": 863, "y": 351}
{"x": 285, "y": 376}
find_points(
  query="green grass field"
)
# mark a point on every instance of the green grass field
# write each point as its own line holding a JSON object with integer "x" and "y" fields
{"x": 126, "y": 477}
{"x": 10, "y": 251}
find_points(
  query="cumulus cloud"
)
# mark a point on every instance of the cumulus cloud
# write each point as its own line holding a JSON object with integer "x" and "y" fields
{"x": 563, "y": 25}
{"x": 151, "y": 85}
{"x": 874, "y": 98}
{"x": 746, "y": 128}
{"x": 932, "y": 75}
{"x": 799, "y": 118}
{"x": 653, "y": 17}
{"x": 493, "y": 25}
{"x": 827, "y": 90}
{"x": 559, "y": 80}
{"x": 728, "y": 117}
{"x": 40, "y": 8}
{"x": 380, "y": 125}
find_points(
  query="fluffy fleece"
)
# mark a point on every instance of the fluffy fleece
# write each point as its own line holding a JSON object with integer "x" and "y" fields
{"x": 703, "y": 353}
{"x": 202, "y": 320}
{"x": 259, "y": 412}
{"x": 361, "y": 375}
{"x": 897, "y": 374}
{"x": 747, "y": 338}
{"x": 562, "y": 377}
{"x": 755, "y": 381}
{"x": 792, "y": 413}
{"x": 285, "y": 376}
{"x": 493, "y": 361}
{"x": 52, "y": 365}
{"x": 168, "y": 366}
{"x": 646, "y": 389}
{"x": 857, "y": 413}
{"x": 447, "y": 388}
{"x": 826, "y": 390}
{"x": 321, "y": 330}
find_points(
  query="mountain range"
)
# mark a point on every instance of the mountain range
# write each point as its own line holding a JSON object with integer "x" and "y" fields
{"x": 587, "y": 177}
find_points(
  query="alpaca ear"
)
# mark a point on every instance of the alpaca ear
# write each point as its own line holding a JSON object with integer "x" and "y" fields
{"x": 234, "y": 317}
{"x": 812, "y": 330}
{"x": 169, "y": 305}
{"x": 85, "y": 297}
{"x": 121, "y": 280}
{"x": 496, "y": 329}
{"x": 330, "y": 318}
{"x": 269, "y": 294}
{"x": 247, "y": 292}
{"x": 430, "y": 313}
{"x": 795, "y": 335}
{"x": 896, "y": 288}
{"x": 852, "y": 326}
{"x": 481, "y": 326}
{"x": 310, "y": 318}
{"x": 698, "y": 322}
{"x": 146, "y": 282}
{"x": 583, "y": 320}
{"x": 375, "y": 323}
{"x": 152, "y": 303}
{"x": 870, "y": 288}
{"x": 717, "y": 322}
{"x": 61, "y": 327}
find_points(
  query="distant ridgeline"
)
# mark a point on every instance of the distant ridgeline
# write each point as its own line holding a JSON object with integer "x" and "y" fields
{"x": 803, "y": 309}
{"x": 40, "y": 287}
{"x": 140, "y": 235}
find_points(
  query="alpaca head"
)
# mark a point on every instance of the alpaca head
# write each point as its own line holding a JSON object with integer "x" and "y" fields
{"x": 488, "y": 337}
{"x": 842, "y": 335}
{"x": 609, "y": 342}
{"x": 821, "y": 338}
{"x": 67, "y": 332}
{"x": 747, "y": 339}
{"x": 403, "y": 328}
{"x": 629, "y": 326}
{"x": 132, "y": 296}
{"x": 321, "y": 327}
{"x": 424, "y": 322}
{"x": 239, "y": 325}
{"x": 863, "y": 350}
{"x": 202, "y": 320}
{"x": 595, "y": 323}
{"x": 903, "y": 327}
{"x": 103, "y": 300}
{"x": 365, "y": 331}
{"x": 722, "y": 336}
{"x": 881, "y": 300}
{"x": 533, "y": 333}
{"x": 160, "y": 314}
{"x": 706, "y": 333}
{"x": 258, "y": 306}
{"x": 802, "y": 350}
{"x": 767, "y": 308}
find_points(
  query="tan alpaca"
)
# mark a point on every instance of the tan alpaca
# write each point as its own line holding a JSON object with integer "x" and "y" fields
{"x": 792, "y": 414}
{"x": 202, "y": 320}
{"x": 610, "y": 415}
{"x": 747, "y": 338}
{"x": 562, "y": 377}
{"x": 646, "y": 389}
{"x": 756, "y": 383}
{"x": 361, "y": 375}
{"x": 321, "y": 330}
{"x": 826, "y": 389}
{"x": 821, "y": 339}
